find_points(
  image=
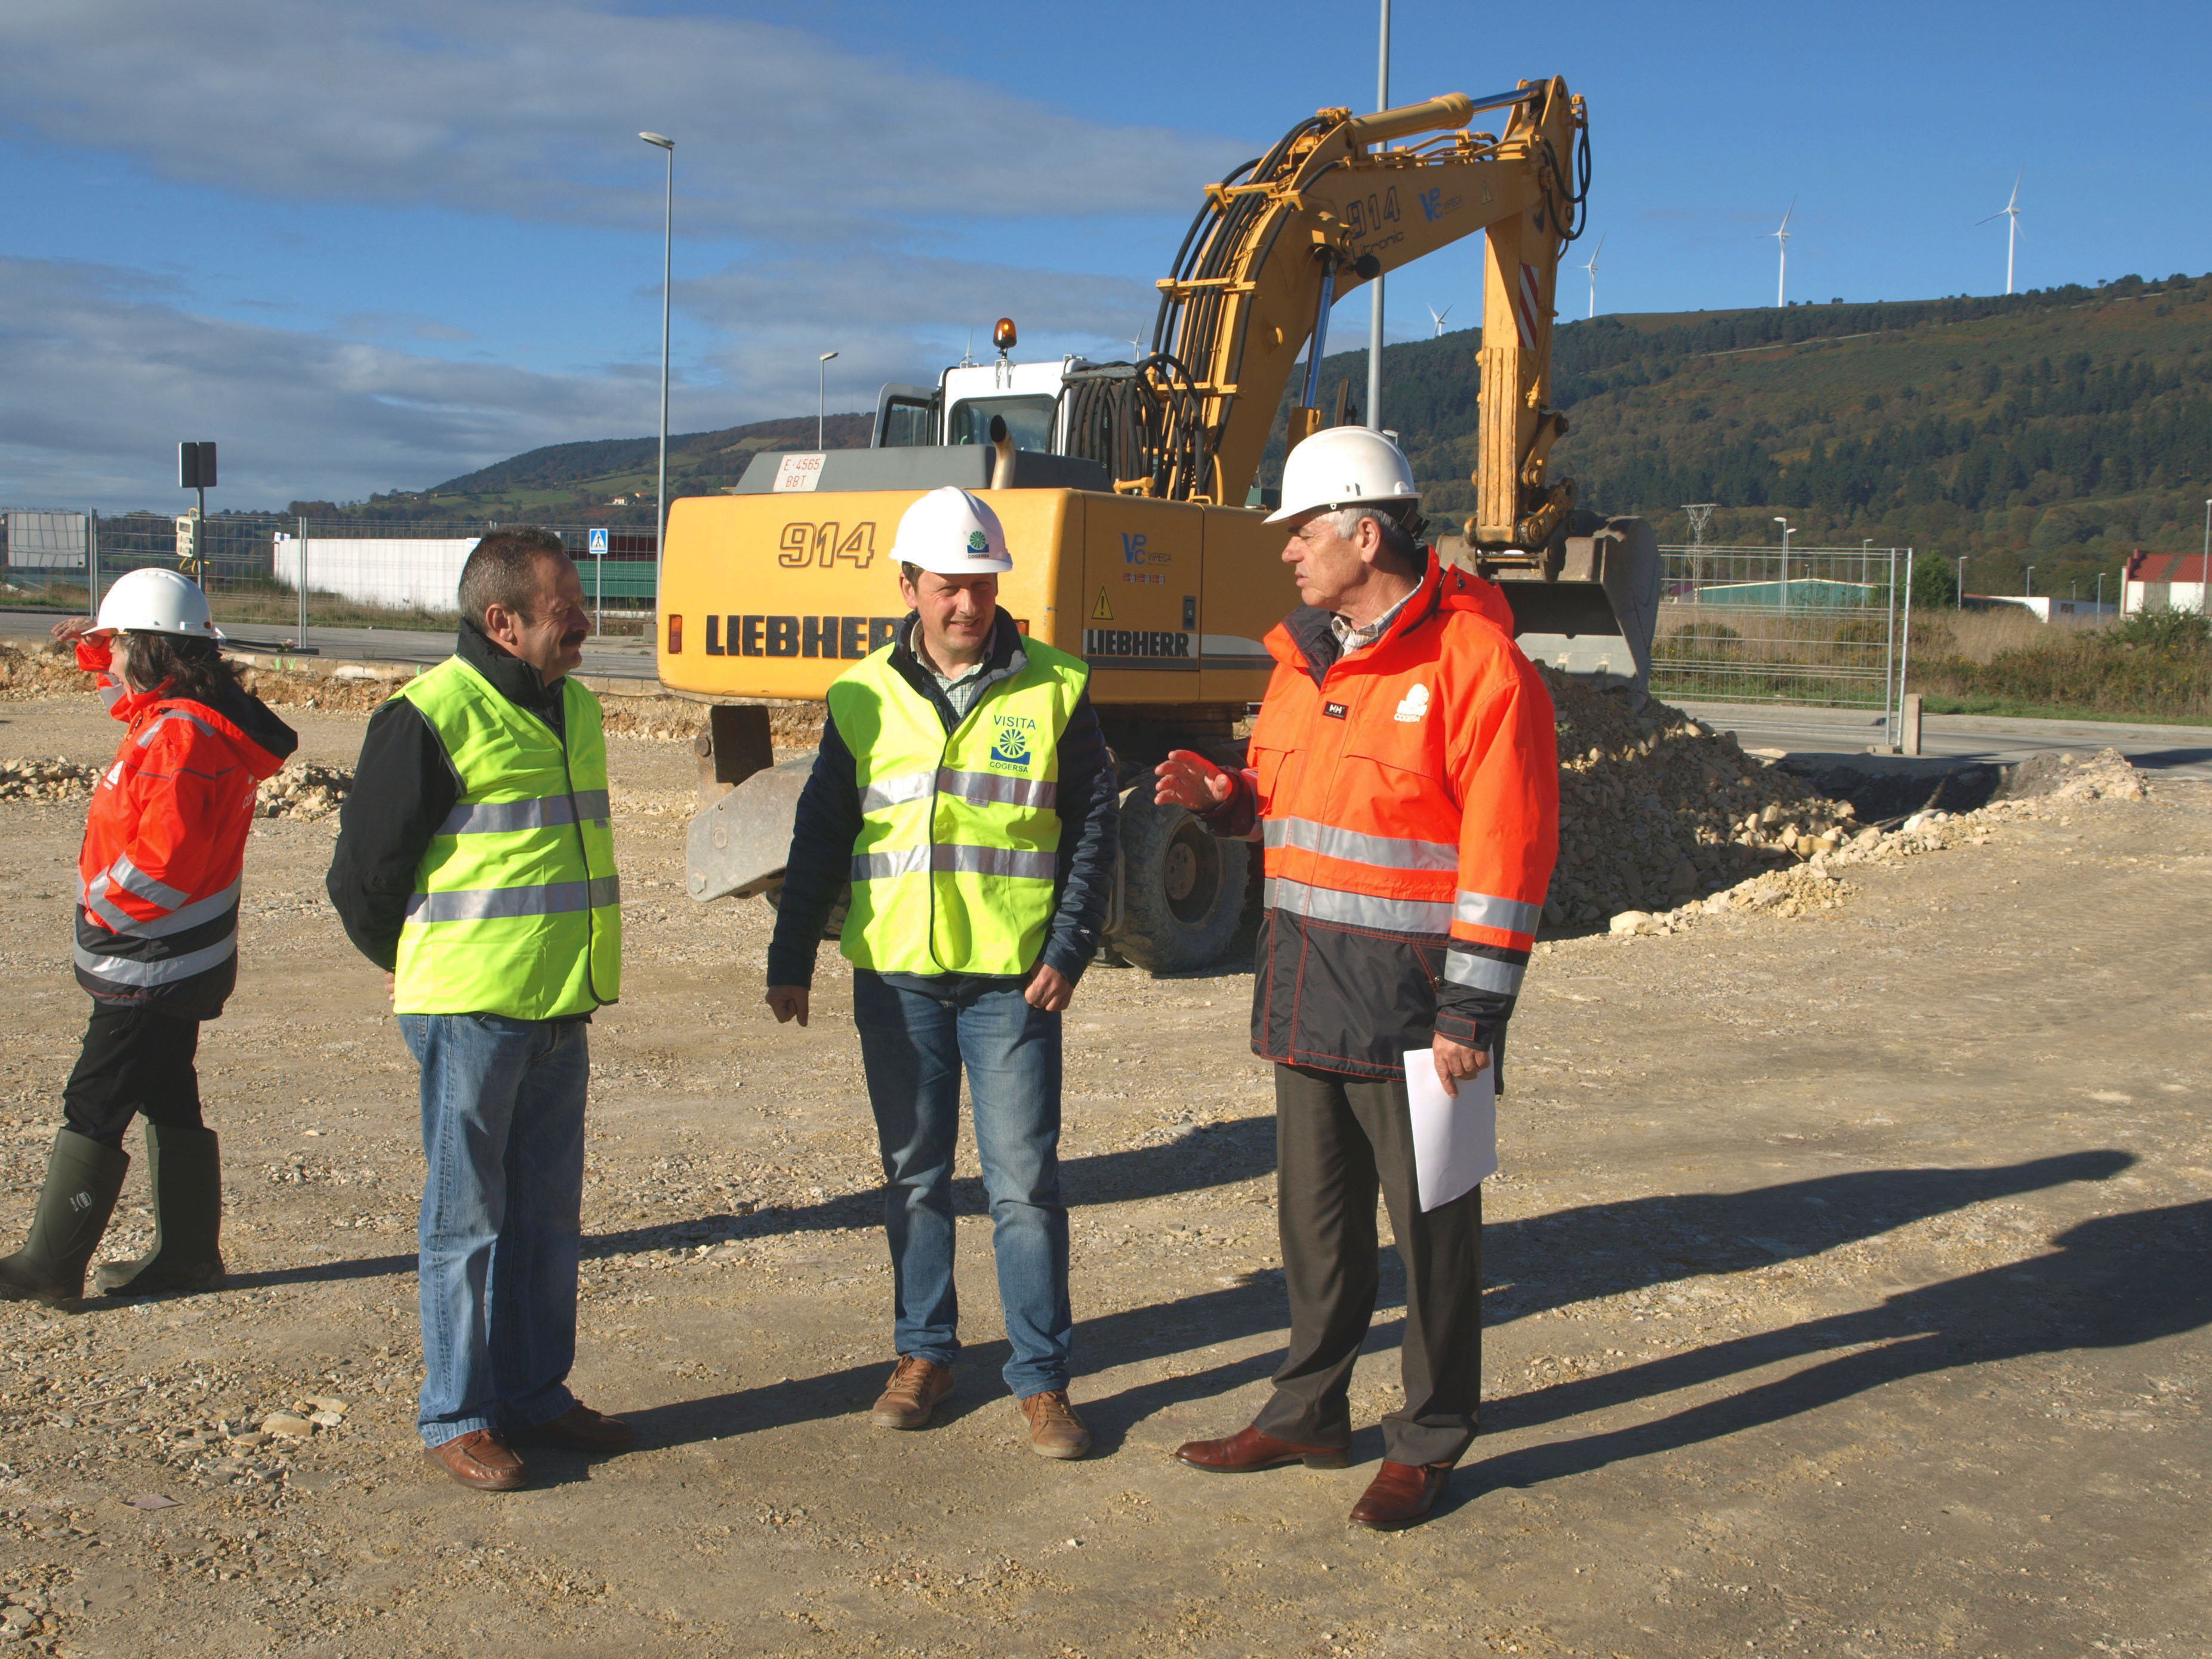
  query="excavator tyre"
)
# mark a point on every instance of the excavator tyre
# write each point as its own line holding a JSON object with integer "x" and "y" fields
{"x": 1179, "y": 892}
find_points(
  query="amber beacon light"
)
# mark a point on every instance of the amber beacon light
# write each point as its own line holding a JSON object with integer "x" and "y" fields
{"x": 675, "y": 635}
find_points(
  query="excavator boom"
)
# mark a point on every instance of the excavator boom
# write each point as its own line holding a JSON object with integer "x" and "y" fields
{"x": 1330, "y": 208}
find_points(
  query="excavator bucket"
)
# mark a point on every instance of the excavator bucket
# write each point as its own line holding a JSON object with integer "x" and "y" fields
{"x": 1588, "y": 605}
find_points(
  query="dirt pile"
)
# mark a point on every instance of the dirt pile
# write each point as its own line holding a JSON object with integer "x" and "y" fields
{"x": 47, "y": 780}
{"x": 1656, "y": 808}
{"x": 2105, "y": 775}
{"x": 303, "y": 792}
{"x": 353, "y": 689}
{"x": 49, "y": 671}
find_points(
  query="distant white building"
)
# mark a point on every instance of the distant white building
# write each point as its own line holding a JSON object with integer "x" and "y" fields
{"x": 2163, "y": 581}
{"x": 2043, "y": 607}
{"x": 420, "y": 574}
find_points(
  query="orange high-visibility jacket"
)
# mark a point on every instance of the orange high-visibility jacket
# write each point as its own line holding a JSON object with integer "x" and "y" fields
{"x": 1408, "y": 796}
{"x": 165, "y": 844}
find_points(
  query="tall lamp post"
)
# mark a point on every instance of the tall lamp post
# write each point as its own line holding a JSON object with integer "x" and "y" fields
{"x": 2205, "y": 597}
{"x": 667, "y": 248}
{"x": 1784, "y": 523}
{"x": 1962, "y": 594}
{"x": 1374, "y": 315}
{"x": 822, "y": 398}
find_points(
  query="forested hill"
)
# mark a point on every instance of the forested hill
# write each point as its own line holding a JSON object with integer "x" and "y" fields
{"x": 2059, "y": 429}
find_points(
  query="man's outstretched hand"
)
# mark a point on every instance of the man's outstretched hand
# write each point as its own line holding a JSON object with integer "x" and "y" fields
{"x": 788, "y": 1003}
{"x": 1186, "y": 778}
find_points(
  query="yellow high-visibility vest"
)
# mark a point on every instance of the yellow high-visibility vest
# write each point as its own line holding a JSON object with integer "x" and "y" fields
{"x": 516, "y": 910}
{"x": 958, "y": 856}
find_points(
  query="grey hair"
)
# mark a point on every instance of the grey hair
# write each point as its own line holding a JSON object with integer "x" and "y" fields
{"x": 503, "y": 571}
{"x": 1400, "y": 547}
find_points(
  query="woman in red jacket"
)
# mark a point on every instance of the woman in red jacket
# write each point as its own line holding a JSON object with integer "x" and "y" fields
{"x": 156, "y": 939}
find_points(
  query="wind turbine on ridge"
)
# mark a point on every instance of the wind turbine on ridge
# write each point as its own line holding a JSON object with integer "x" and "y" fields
{"x": 1439, "y": 316}
{"x": 2009, "y": 212}
{"x": 1782, "y": 275}
{"x": 1592, "y": 268}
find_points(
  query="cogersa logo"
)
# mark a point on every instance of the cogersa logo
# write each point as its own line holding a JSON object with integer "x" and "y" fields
{"x": 1016, "y": 740}
{"x": 1413, "y": 705}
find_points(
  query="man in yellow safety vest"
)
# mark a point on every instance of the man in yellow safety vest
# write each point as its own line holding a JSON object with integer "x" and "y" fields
{"x": 964, "y": 790}
{"x": 475, "y": 864}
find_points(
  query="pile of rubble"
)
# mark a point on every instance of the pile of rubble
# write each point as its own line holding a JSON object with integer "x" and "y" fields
{"x": 47, "y": 780}
{"x": 2036, "y": 787}
{"x": 49, "y": 671}
{"x": 303, "y": 792}
{"x": 1657, "y": 808}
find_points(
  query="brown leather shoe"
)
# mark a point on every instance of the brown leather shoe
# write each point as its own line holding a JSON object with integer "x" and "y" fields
{"x": 1401, "y": 1494}
{"x": 480, "y": 1459}
{"x": 1248, "y": 1449}
{"x": 579, "y": 1429}
{"x": 1054, "y": 1429}
{"x": 908, "y": 1399}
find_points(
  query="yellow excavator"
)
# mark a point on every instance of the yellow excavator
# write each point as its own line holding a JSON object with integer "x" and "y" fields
{"x": 1129, "y": 497}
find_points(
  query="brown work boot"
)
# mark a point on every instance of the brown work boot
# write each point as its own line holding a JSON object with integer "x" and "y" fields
{"x": 1054, "y": 1429}
{"x": 480, "y": 1459}
{"x": 908, "y": 1399}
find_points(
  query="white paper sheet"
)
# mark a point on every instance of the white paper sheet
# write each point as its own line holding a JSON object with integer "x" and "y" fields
{"x": 1454, "y": 1136}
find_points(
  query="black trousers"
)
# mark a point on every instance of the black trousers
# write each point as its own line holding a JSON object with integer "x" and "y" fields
{"x": 134, "y": 1061}
{"x": 1339, "y": 1141}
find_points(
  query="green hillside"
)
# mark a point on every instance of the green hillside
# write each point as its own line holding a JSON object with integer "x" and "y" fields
{"x": 601, "y": 481}
{"x": 2057, "y": 429}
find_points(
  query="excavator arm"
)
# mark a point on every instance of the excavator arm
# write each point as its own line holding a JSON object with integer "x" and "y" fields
{"x": 1330, "y": 208}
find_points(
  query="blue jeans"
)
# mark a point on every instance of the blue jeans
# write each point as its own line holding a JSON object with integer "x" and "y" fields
{"x": 502, "y": 1209}
{"x": 914, "y": 1044}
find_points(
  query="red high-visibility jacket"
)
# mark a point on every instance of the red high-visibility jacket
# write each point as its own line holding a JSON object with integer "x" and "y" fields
{"x": 165, "y": 844}
{"x": 1408, "y": 796}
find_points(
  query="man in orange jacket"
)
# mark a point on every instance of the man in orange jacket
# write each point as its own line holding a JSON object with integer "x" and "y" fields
{"x": 1405, "y": 780}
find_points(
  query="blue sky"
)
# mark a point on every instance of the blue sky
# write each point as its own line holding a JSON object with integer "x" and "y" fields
{"x": 370, "y": 246}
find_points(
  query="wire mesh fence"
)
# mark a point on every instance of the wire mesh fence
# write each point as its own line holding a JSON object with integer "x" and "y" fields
{"x": 1825, "y": 626}
{"x": 282, "y": 575}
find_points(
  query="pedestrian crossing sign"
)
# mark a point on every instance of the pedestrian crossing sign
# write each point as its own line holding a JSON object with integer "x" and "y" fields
{"x": 598, "y": 544}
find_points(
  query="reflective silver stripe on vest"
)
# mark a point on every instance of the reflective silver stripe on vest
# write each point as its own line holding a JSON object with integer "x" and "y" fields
{"x": 896, "y": 791}
{"x": 553, "y": 898}
{"x": 1386, "y": 916}
{"x": 1488, "y": 911}
{"x": 975, "y": 861}
{"x": 988, "y": 788}
{"x": 132, "y": 879}
{"x": 1392, "y": 851}
{"x": 501, "y": 816}
{"x": 176, "y": 922}
{"x": 146, "y": 737}
{"x": 167, "y": 971}
{"x": 1483, "y": 973}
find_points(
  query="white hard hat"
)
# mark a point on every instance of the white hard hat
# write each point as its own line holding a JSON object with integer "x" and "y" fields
{"x": 955, "y": 533}
{"x": 156, "y": 602}
{"x": 1344, "y": 466}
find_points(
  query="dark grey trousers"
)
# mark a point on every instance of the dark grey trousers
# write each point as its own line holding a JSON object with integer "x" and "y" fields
{"x": 1338, "y": 1141}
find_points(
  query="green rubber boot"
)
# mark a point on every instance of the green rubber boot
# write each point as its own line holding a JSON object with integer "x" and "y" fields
{"x": 83, "y": 1180}
{"x": 186, "y": 1172}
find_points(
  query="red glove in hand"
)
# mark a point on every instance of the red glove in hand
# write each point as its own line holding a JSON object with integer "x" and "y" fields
{"x": 1189, "y": 780}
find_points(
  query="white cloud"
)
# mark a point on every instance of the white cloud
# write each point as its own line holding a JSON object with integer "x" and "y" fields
{"x": 530, "y": 110}
{"x": 100, "y": 376}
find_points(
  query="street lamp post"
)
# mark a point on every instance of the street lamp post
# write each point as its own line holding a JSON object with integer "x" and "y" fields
{"x": 667, "y": 249}
{"x": 821, "y": 399}
{"x": 1962, "y": 605}
{"x": 1375, "y": 301}
{"x": 1784, "y": 523}
{"x": 2031, "y": 582}
{"x": 2205, "y": 592}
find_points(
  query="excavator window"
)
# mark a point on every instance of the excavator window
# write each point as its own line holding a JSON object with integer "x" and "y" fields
{"x": 1028, "y": 421}
{"x": 907, "y": 425}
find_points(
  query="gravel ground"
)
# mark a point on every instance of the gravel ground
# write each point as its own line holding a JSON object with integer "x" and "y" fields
{"x": 1848, "y": 1273}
